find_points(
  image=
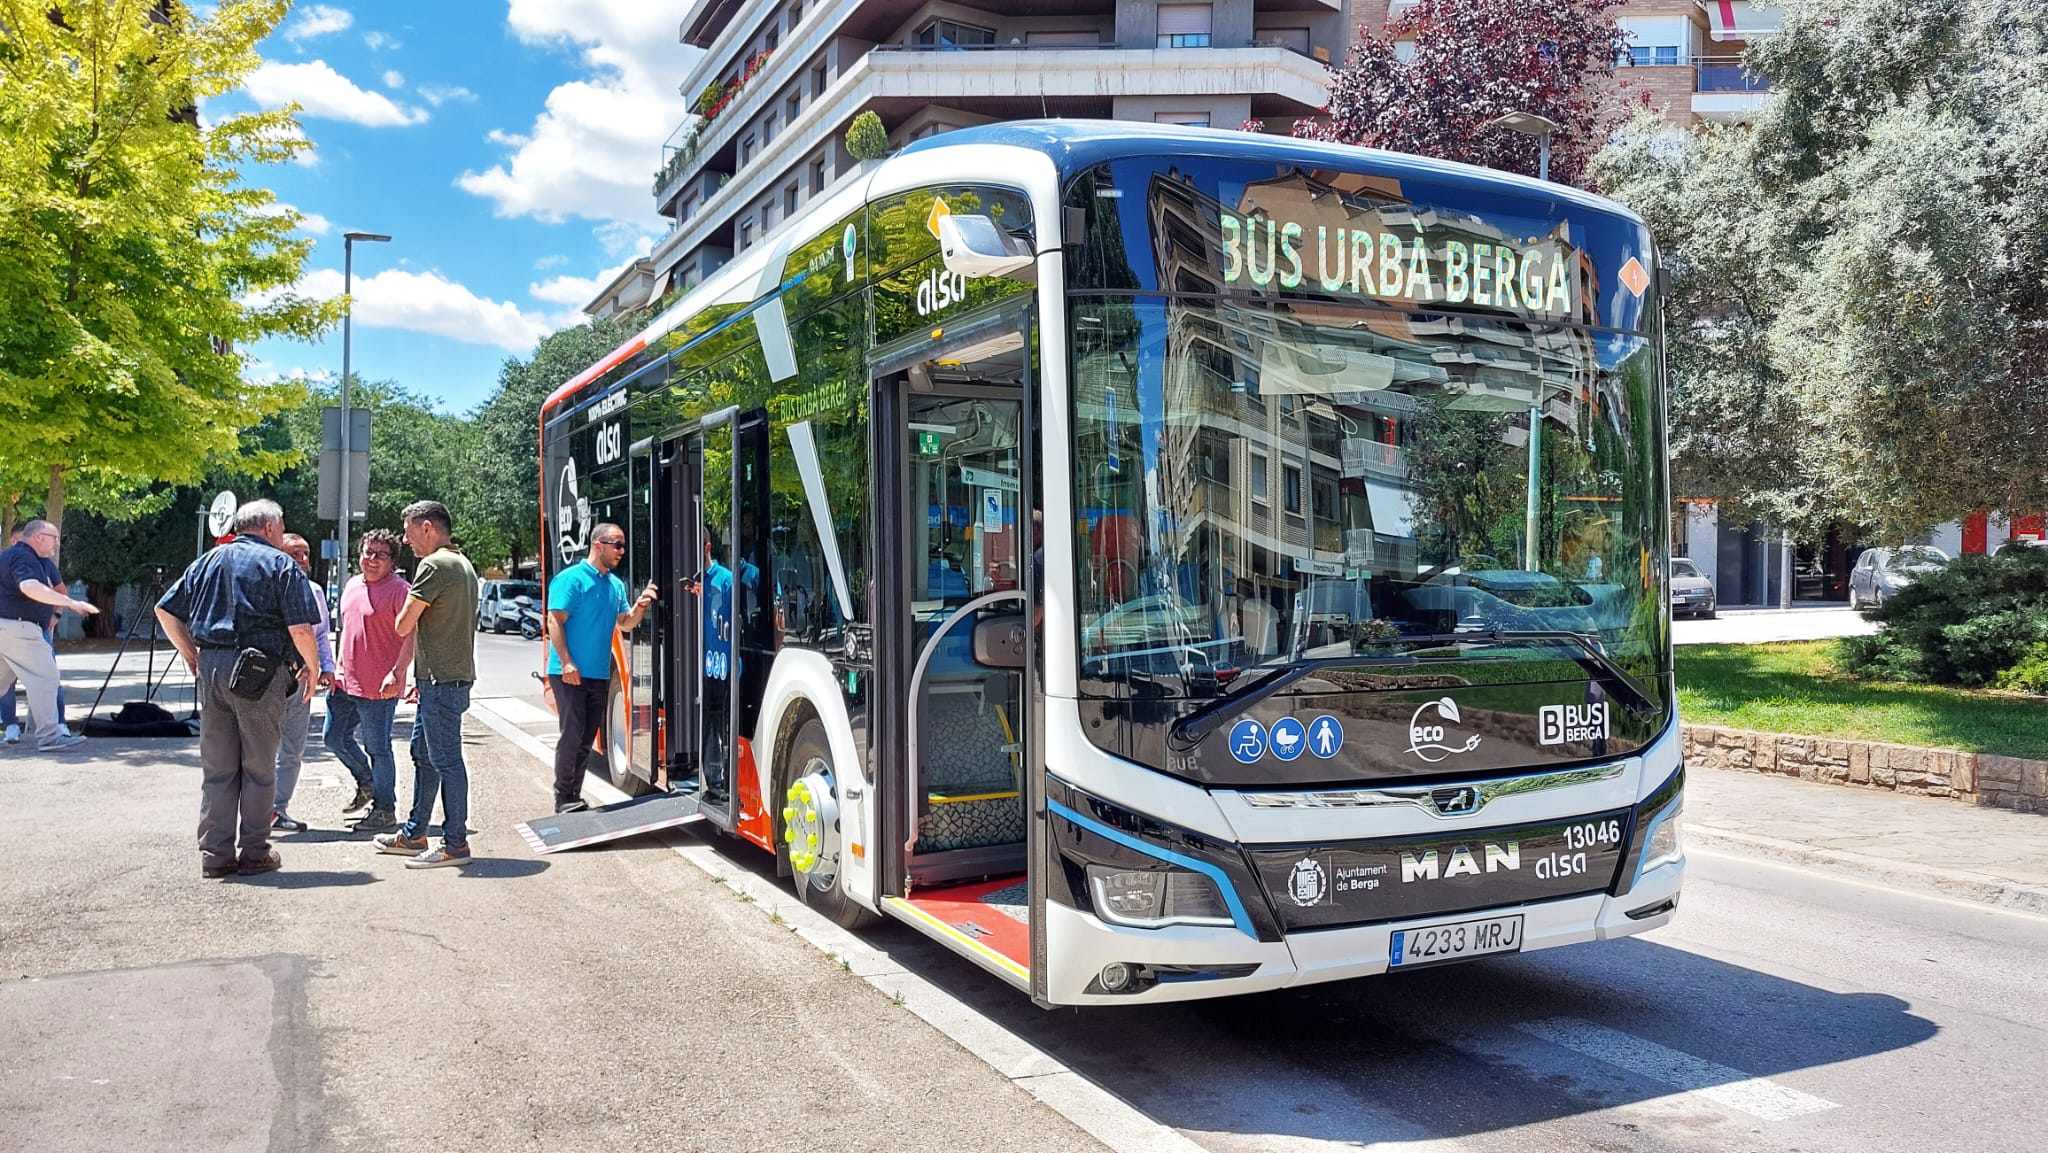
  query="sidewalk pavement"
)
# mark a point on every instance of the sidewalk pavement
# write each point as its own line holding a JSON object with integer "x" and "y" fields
{"x": 1979, "y": 854}
{"x": 605, "y": 1000}
{"x": 1748, "y": 626}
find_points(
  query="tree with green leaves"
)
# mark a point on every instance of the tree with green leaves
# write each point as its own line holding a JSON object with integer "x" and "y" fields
{"x": 500, "y": 483}
{"x": 1859, "y": 320}
{"x": 134, "y": 261}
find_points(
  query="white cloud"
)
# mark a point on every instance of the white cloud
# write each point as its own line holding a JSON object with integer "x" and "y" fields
{"x": 321, "y": 91}
{"x": 622, "y": 237}
{"x": 576, "y": 291}
{"x": 378, "y": 42}
{"x": 547, "y": 262}
{"x": 439, "y": 94}
{"x": 319, "y": 20}
{"x": 593, "y": 151}
{"x": 311, "y": 222}
{"x": 431, "y": 303}
{"x": 394, "y": 79}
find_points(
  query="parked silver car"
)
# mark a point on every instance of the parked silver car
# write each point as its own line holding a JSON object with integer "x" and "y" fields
{"x": 1881, "y": 572}
{"x": 1692, "y": 594}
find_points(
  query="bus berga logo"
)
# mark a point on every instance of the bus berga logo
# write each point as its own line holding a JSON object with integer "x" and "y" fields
{"x": 1572, "y": 724}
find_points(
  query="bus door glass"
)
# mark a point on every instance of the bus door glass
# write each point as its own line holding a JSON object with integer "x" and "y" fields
{"x": 646, "y": 536}
{"x": 967, "y": 543}
{"x": 700, "y": 484}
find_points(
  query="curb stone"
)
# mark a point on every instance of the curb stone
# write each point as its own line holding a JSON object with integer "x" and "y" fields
{"x": 1979, "y": 887}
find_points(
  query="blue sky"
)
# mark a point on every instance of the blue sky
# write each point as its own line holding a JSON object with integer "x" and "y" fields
{"x": 507, "y": 147}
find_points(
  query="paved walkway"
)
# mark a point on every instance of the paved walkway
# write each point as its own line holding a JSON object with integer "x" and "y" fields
{"x": 1802, "y": 622}
{"x": 1976, "y": 853}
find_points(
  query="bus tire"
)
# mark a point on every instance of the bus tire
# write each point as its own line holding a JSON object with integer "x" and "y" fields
{"x": 809, "y": 827}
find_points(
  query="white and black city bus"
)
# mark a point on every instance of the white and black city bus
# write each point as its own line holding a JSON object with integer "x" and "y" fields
{"x": 1159, "y": 563}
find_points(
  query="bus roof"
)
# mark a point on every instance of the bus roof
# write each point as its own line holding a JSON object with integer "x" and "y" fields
{"x": 1072, "y": 146}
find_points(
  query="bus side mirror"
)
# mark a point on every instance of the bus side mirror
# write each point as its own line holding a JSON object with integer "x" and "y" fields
{"x": 974, "y": 246}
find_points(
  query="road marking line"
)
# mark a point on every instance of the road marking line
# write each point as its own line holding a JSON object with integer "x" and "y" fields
{"x": 1759, "y": 1097}
{"x": 517, "y": 711}
{"x": 1116, "y": 1123}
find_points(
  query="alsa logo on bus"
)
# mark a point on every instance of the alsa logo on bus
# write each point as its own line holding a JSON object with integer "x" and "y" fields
{"x": 1390, "y": 266}
{"x": 940, "y": 289}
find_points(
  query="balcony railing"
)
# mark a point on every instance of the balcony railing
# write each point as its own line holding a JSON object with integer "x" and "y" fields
{"x": 1731, "y": 78}
{"x": 993, "y": 47}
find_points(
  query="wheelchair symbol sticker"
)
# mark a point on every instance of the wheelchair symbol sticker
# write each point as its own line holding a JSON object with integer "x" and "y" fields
{"x": 1248, "y": 741}
{"x": 1288, "y": 738}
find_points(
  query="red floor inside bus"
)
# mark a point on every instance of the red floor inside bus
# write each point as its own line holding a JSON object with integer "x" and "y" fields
{"x": 990, "y": 918}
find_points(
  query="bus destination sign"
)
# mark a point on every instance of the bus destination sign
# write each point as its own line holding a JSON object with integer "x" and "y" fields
{"x": 1260, "y": 250}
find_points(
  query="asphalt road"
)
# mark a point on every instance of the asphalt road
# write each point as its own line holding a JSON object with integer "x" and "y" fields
{"x": 617, "y": 998}
{"x": 1782, "y": 1010}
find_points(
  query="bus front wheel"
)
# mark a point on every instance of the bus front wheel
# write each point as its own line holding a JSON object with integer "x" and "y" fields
{"x": 811, "y": 828}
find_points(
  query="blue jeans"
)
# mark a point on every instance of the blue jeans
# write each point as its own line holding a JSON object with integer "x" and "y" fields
{"x": 437, "y": 766}
{"x": 369, "y": 761}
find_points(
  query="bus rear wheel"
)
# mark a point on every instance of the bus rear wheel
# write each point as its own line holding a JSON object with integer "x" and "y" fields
{"x": 811, "y": 828}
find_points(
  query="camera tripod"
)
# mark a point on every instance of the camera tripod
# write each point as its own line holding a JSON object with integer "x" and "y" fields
{"x": 152, "y": 681}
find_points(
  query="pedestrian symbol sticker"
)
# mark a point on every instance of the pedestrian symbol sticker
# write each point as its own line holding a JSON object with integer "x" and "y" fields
{"x": 1248, "y": 741}
{"x": 1288, "y": 737}
{"x": 1325, "y": 736}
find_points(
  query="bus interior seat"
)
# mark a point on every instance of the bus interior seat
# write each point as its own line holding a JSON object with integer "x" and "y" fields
{"x": 969, "y": 769}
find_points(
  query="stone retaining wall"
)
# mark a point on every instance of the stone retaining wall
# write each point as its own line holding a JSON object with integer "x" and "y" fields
{"x": 1979, "y": 778}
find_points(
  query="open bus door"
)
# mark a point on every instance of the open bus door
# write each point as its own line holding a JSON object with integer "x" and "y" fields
{"x": 956, "y": 731}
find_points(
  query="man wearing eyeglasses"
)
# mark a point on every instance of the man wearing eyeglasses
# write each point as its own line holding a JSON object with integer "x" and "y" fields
{"x": 371, "y": 681}
{"x": 586, "y": 605}
{"x": 26, "y": 610}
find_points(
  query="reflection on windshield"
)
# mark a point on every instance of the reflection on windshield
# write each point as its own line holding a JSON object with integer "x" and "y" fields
{"x": 1266, "y": 482}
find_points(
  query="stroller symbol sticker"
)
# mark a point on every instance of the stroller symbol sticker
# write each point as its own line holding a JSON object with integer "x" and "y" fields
{"x": 1288, "y": 738}
{"x": 1247, "y": 741}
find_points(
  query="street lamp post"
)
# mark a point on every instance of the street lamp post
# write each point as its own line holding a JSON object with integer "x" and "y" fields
{"x": 1530, "y": 124}
{"x": 348, "y": 268}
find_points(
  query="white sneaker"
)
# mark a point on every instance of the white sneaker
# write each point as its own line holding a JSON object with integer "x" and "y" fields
{"x": 60, "y": 742}
{"x": 13, "y": 735}
{"x": 64, "y": 730}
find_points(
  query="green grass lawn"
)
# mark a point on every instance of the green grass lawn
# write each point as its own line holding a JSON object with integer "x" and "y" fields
{"x": 1796, "y": 688}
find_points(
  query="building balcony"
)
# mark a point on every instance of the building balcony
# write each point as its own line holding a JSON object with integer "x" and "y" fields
{"x": 1006, "y": 82}
{"x": 1731, "y": 78}
{"x": 1728, "y": 107}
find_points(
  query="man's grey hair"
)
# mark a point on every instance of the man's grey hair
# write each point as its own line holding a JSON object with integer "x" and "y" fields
{"x": 257, "y": 515}
{"x": 27, "y": 529}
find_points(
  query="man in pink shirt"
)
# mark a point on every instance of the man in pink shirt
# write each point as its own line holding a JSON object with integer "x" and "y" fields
{"x": 371, "y": 680}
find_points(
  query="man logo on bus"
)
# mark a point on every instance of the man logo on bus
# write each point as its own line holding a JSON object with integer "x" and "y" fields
{"x": 1426, "y": 734}
{"x": 572, "y": 517}
{"x": 1307, "y": 883}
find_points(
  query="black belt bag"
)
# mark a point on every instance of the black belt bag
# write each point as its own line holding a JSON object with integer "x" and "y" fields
{"x": 254, "y": 670}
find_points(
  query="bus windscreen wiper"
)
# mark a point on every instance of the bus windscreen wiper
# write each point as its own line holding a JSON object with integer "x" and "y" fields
{"x": 1585, "y": 652}
{"x": 1209, "y": 717}
{"x": 1588, "y": 654}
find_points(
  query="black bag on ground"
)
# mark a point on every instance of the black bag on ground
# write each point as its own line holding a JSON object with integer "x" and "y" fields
{"x": 254, "y": 670}
{"x": 139, "y": 719}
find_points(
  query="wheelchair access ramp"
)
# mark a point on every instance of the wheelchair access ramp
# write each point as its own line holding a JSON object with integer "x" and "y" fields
{"x": 610, "y": 823}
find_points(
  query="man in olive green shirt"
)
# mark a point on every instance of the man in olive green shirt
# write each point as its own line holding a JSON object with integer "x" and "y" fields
{"x": 440, "y": 613}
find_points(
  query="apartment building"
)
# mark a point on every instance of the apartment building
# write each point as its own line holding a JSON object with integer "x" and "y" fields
{"x": 781, "y": 80}
{"x": 1686, "y": 54}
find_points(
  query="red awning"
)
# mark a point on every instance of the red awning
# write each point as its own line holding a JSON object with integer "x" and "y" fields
{"x": 1741, "y": 19}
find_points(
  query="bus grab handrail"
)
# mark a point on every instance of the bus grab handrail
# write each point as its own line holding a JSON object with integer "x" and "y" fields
{"x": 924, "y": 659}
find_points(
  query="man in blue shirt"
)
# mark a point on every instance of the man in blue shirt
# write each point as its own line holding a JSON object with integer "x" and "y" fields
{"x": 26, "y": 604}
{"x": 246, "y": 594}
{"x": 586, "y": 605}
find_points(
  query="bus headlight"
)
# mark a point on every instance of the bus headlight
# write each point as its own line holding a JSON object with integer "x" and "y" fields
{"x": 1666, "y": 843}
{"x": 1150, "y": 898}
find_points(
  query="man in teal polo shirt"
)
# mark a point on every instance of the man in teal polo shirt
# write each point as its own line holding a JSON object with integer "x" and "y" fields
{"x": 586, "y": 603}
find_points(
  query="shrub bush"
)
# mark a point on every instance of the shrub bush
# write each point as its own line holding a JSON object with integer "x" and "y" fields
{"x": 1970, "y": 623}
{"x": 866, "y": 139}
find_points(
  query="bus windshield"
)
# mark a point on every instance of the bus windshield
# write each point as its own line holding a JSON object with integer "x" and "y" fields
{"x": 1270, "y": 478}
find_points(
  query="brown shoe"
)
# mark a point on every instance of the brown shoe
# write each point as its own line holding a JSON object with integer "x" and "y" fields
{"x": 267, "y": 863}
{"x": 216, "y": 872}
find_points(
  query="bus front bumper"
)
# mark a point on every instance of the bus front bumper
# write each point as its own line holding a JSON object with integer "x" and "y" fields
{"x": 1188, "y": 962}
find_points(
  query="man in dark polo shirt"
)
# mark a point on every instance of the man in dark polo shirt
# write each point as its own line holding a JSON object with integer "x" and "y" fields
{"x": 246, "y": 594}
{"x": 26, "y": 604}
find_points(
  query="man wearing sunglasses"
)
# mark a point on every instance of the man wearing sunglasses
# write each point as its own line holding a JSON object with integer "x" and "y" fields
{"x": 586, "y": 606}
{"x": 371, "y": 681}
